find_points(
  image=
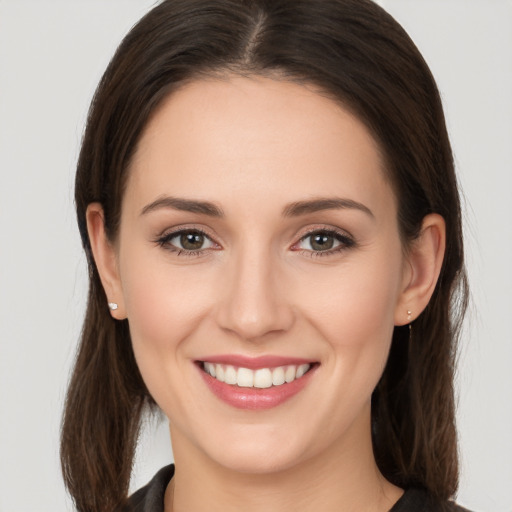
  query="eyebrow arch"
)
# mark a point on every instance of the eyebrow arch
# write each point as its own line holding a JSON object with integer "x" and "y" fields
{"x": 185, "y": 205}
{"x": 291, "y": 210}
{"x": 324, "y": 203}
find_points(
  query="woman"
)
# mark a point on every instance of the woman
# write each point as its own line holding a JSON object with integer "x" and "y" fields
{"x": 267, "y": 200}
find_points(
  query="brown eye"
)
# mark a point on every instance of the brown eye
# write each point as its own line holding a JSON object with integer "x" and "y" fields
{"x": 321, "y": 241}
{"x": 192, "y": 241}
{"x": 187, "y": 241}
{"x": 325, "y": 241}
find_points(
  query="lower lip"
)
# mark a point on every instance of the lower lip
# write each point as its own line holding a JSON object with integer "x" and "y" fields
{"x": 255, "y": 398}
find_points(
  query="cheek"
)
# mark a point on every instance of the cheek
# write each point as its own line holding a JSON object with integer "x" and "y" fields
{"x": 164, "y": 306}
{"x": 353, "y": 307}
{"x": 163, "y": 303}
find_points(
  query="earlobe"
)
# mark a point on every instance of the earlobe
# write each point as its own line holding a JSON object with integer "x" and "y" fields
{"x": 425, "y": 259}
{"x": 106, "y": 261}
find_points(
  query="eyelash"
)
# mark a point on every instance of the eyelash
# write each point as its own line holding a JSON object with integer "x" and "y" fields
{"x": 164, "y": 242}
{"x": 345, "y": 242}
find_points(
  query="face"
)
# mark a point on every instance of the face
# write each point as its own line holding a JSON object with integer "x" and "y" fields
{"x": 259, "y": 242}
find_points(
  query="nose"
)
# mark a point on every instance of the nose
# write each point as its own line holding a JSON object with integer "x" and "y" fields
{"x": 253, "y": 299}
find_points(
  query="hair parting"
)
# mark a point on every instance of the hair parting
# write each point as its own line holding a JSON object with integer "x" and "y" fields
{"x": 357, "y": 54}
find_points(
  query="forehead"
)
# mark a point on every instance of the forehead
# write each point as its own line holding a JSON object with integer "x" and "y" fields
{"x": 257, "y": 137}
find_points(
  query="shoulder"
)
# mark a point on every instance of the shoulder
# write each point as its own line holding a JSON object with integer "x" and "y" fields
{"x": 150, "y": 498}
{"x": 419, "y": 500}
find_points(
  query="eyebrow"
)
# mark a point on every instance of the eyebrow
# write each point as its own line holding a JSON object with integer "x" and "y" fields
{"x": 324, "y": 203}
{"x": 295, "y": 209}
{"x": 185, "y": 205}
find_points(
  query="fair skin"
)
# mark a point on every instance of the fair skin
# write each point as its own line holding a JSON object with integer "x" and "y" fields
{"x": 325, "y": 282}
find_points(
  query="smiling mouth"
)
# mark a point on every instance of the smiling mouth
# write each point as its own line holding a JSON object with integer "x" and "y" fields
{"x": 261, "y": 378}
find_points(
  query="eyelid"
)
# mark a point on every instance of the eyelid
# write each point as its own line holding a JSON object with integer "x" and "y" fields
{"x": 169, "y": 230}
{"x": 344, "y": 237}
{"x": 325, "y": 228}
{"x": 168, "y": 234}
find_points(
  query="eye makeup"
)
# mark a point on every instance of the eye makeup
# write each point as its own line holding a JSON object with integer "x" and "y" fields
{"x": 324, "y": 241}
{"x": 316, "y": 242}
{"x": 187, "y": 242}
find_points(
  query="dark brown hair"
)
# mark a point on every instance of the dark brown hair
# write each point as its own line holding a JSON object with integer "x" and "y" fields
{"x": 360, "y": 56}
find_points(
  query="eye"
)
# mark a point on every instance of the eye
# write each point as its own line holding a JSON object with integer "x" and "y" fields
{"x": 187, "y": 241}
{"x": 324, "y": 241}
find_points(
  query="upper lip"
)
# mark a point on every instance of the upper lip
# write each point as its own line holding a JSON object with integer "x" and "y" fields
{"x": 255, "y": 363}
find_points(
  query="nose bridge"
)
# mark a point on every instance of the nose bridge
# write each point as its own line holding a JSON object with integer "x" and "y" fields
{"x": 253, "y": 301}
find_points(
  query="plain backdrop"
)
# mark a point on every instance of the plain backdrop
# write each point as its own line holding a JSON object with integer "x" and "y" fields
{"x": 52, "y": 54}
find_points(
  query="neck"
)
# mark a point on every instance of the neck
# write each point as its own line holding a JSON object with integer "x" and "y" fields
{"x": 343, "y": 477}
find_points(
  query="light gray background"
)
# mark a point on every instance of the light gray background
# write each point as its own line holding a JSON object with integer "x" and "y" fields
{"x": 52, "y": 53}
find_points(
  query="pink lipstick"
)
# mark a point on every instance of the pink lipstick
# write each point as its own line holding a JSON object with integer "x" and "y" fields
{"x": 255, "y": 383}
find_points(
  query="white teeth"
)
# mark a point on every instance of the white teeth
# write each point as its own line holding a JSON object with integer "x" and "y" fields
{"x": 301, "y": 370}
{"x": 289, "y": 373}
{"x": 230, "y": 375}
{"x": 278, "y": 376}
{"x": 219, "y": 372}
{"x": 245, "y": 378}
{"x": 210, "y": 368}
{"x": 261, "y": 378}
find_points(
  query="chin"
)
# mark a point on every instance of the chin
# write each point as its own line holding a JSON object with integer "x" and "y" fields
{"x": 258, "y": 451}
{"x": 257, "y": 461}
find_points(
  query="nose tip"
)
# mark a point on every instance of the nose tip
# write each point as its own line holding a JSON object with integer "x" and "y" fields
{"x": 252, "y": 323}
{"x": 253, "y": 304}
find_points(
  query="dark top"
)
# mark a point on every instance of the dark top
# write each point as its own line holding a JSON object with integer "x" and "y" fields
{"x": 150, "y": 498}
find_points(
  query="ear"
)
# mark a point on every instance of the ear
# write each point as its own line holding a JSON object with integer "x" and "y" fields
{"x": 105, "y": 258}
{"x": 423, "y": 265}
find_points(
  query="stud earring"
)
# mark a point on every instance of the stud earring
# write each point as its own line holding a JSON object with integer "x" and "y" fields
{"x": 112, "y": 306}
{"x": 409, "y": 318}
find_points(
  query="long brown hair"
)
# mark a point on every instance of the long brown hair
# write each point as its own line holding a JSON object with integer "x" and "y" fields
{"x": 361, "y": 57}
